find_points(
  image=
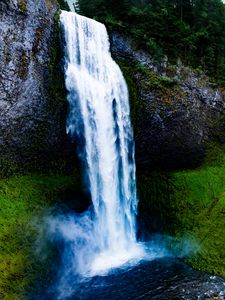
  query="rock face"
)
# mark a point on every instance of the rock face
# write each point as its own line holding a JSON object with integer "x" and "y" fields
{"x": 178, "y": 110}
{"x": 175, "y": 110}
{"x": 32, "y": 119}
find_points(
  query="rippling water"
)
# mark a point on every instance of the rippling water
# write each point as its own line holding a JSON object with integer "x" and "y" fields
{"x": 164, "y": 279}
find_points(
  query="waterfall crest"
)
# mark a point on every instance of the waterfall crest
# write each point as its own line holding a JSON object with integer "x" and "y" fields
{"x": 99, "y": 117}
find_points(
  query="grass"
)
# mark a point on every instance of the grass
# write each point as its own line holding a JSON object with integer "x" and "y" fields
{"x": 198, "y": 203}
{"x": 23, "y": 201}
{"x": 192, "y": 203}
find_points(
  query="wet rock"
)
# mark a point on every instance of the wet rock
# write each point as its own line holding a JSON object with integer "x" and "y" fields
{"x": 178, "y": 112}
{"x": 32, "y": 119}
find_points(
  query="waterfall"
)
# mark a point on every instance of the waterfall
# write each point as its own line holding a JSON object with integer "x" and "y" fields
{"x": 99, "y": 118}
{"x": 72, "y": 4}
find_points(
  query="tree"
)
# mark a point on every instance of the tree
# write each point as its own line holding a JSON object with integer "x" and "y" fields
{"x": 193, "y": 30}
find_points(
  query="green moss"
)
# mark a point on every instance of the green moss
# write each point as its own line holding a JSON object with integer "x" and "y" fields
{"x": 37, "y": 41}
{"x": 24, "y": 201}
{"x": 141, "y": 79}
{"x": 199, "y": 207}
{"x": 192, "y": 203}
{"x": 23, "y": 6}
{"x": 153, "y": 80}
{"x": 23, "y": 66}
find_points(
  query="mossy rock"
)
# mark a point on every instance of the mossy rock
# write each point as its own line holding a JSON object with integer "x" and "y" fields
{"x": 23, "y": 6}
{"x": 25, "y": 201}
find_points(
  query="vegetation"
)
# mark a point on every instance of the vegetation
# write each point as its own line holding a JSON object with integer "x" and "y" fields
{"x": 23, "y": 6}
{"x": 192, "y": 30}
{"x": 155, "y": 81}
{"x": 23, "y": 66}
{"x": 191, "y": 203}
{"x": 24, "y": 202}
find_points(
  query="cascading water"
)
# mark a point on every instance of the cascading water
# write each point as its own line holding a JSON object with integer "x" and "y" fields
{"x": 99, "y": 117}
{"x": 103, "y": 237}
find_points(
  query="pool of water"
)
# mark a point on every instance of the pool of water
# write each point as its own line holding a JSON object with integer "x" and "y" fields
{"x": 164, "y": 279}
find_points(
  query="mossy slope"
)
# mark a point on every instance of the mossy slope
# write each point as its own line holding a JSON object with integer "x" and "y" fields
{"x": 23, "y": 204}
{"x": 191, "y": 203}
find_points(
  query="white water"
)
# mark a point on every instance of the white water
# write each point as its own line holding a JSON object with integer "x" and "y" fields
{"x": 99, "y": 117}
{"x": 71, "y": 4}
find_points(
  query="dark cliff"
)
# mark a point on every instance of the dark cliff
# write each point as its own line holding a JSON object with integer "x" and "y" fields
{"x": 175, "y": 110}
{"x": 32, "y": 94}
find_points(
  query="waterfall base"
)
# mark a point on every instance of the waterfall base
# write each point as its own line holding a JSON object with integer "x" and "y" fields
{"x": 109, "y": 260}
{"x": 165, "y": 278}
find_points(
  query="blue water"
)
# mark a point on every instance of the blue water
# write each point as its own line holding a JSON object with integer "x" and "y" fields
{"x": 161, "y": 279}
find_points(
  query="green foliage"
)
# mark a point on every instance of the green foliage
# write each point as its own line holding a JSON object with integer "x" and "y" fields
{"x": 23, "y": 202}
{"x": 192, "y": 203}
{"x": 102, "y": 8}
{"x": 192, "y": 30}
